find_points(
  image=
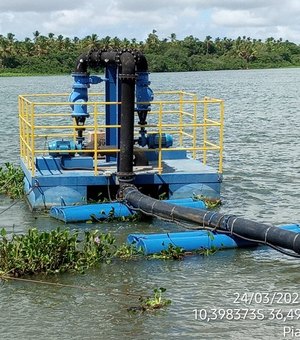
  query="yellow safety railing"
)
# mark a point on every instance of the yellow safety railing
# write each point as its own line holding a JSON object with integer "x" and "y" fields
{"x": 196, "y": 125}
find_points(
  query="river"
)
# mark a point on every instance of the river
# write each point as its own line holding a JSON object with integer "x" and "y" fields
{"x": 261, "y": 182}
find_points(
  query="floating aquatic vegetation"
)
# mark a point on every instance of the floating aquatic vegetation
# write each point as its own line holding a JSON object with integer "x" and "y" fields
{"x": 172, "y": 252}
{"x": 150, "y": 303}
{"x": 128, "y": 251}
{"x": 11, "y": 181}
{"x": 53, "y": 252}
{"x": 210, "y": 203}
{"x": 64, "y": 250}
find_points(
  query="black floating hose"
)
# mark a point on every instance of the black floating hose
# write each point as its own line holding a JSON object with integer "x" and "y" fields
{"x": 223, "y": 223}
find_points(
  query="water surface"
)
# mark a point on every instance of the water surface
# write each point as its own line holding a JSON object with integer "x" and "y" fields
{"x": 261, "y": 182}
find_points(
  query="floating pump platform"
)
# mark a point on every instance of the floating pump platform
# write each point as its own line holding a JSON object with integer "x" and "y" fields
{"x": 79, "y": 147}
{"x": 126, "y": 144}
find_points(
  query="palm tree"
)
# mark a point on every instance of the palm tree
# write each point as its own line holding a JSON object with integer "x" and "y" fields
{"x": 173, "y": 38}
{"x": 10, "y": 37}
{"x": 208, "y": 42}
{"x": 36, "y": 34}
{"x": 152, "y": 42}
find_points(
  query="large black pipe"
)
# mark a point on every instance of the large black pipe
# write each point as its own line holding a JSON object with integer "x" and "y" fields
{"x": 127, "y": 77}
{"x": 229, "y": 224}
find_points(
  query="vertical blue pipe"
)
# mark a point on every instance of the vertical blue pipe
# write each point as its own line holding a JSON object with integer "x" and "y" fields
{"x": 112, "y": 112}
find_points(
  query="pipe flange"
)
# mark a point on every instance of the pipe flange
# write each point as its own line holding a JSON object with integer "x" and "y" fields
{"x": 120, "y": 194}
{"x": 125, "y": 175}
{"x": 93, "y": 57}
{"x": 137, "y": 58}
{"x": 127, "y": 76}
{"x": 118, "y": 57}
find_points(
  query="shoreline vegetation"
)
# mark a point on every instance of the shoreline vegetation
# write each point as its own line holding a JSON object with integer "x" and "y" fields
{"x": 56, "y": 55}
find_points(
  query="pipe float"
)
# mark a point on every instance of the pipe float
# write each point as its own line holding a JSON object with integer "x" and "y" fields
{"x": 193, "y": 240}
{"x": 89, "y": 211}
{"x": 102, "y": 211}
{"x": 223, "y": 223}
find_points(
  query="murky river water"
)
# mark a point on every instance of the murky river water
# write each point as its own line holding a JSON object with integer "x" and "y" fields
{"x": 261, "y": 181}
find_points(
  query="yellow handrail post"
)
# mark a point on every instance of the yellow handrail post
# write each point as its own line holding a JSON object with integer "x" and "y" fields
{"x": 20, "y": 103}
{"x": 204, "y": 130}
{"x": 74, "y": 130}
{"x": 26, "y": 134}
{"x": 95, "y": 140}
{"x": 221, "y": 136}
{"x": 194, "y": 127}
{"x": 32, "y": 139}
{"x": 180, "y": 118}
{"x": 160, "y": 136}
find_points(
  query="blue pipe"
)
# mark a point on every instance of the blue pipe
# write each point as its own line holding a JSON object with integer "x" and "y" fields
{"x": 79, "y": 95}
{"x": 193, "y": 240}
{"x": 144, "y": 94}
{"x": 100, "y": 211}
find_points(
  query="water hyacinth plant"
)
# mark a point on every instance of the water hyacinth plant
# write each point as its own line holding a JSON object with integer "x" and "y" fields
{"x": 156, "y": 301}
{"x": 151, "y": 303}
{"x": 210, "y": 203}
{"x": 172, "y": 252}
{"x": 59, "y": 251}
{"x": 53, "y": 252}
{"x": 11, "y": 181}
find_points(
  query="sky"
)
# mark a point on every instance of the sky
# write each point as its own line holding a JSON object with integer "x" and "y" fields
{"x": 130, "y": 19}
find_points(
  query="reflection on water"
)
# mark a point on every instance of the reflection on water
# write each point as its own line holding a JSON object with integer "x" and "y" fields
{"x": 261, "y": 181}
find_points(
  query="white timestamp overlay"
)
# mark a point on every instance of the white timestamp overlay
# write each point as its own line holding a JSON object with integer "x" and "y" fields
{"x": 282, "y": 308}
{"x": 267, "y": 298}
{"x": 235, "y": 314}
{"x": 277, "y": 315}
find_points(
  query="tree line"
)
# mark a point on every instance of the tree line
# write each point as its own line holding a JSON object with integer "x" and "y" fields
{"x": 50, "y": 54}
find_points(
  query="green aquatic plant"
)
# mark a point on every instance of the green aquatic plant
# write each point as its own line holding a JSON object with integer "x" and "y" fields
{"x": 150, "y": 303}
{"x": 111, "y": 217}
{"x": 172, "y": 252}
{"x": 210, "y": 203}
{"x": 207, "y": 251}
{"x": 163, "y": 196}
{"x": 156, "y": 300}
{"x": 11, "y": 181}
{"x": 178, "y": 253}
{"x": 53, "y": 252}
{"x": 64, "y": 250}
{"x": 128, "y": 251}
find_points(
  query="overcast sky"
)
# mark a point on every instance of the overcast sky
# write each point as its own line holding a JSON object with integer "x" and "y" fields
{"x": 137, "y": 18}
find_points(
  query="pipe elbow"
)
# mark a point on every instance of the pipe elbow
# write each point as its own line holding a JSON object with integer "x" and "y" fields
{"x": 128, "y": 64}
{"x": 142, "y": 63}
{"x": 81, "y": 64}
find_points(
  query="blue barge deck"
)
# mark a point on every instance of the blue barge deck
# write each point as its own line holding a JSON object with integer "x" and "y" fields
{"x": 52, "y": 185}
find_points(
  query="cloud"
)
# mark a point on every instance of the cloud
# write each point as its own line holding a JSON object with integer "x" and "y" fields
{"x": 158, "y": 5}
{"x": 36, "y": 6}
{"x": 136, "y": 19}
{"x": 238, "y": 18}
